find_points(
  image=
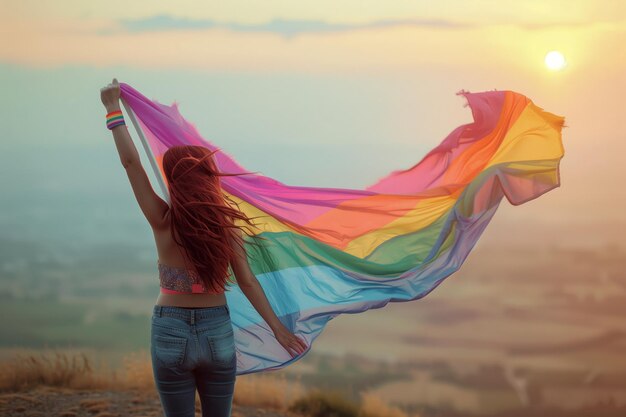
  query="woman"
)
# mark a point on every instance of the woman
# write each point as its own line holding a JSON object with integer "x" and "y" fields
{"x": 192, "y": 340}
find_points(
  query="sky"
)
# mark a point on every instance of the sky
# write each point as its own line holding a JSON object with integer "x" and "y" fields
{"x": 320, "y": 93}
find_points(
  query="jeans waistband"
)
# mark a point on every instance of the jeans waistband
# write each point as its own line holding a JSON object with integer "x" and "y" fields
{"x": 191, "y": 315}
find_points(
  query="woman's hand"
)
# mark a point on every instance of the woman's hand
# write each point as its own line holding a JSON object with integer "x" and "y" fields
{"x": 292, "y": 343}
{"x": 110, "y": 96}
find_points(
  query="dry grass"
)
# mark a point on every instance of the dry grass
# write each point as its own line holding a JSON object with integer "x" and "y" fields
{"x": 374, "y": 406}
{"x": 136, "y": 372}
{"x": 95, "y": 406}
{"x": 27, "y": 371}
{"x": 75, "y": 372}
{"x": 266, "y": 390}
{"x": 322, "y": 403}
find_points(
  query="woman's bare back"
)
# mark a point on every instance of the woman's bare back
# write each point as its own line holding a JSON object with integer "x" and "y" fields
{"x": 169, "y": 253}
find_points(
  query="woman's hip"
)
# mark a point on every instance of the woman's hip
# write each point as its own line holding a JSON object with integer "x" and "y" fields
{"x": 191, "y": 338}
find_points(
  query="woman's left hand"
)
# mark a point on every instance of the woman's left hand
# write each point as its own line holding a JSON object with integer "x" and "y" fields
{"x": 292, "y": 343}
{"x": 110, "y": 95}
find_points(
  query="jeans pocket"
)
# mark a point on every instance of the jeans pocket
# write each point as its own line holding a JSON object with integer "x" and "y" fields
{"x": 223, "y": 348}
{"x": 170, "y": 350}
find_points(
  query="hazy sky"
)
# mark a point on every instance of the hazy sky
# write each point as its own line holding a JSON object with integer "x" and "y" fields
{"x": 315, "y": 93}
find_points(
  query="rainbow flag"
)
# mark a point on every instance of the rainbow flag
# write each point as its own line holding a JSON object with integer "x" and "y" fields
{"x": 331, "y": 251}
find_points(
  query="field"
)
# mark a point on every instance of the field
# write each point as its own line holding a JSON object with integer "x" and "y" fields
{"x": 516, "y": 330}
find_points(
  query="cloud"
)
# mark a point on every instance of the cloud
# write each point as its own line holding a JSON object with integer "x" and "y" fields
{"x": 289, "y": 28}
{"x": 283, "y": 27}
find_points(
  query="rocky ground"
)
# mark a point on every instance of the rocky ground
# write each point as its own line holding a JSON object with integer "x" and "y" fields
{"x": 63, "y": 402}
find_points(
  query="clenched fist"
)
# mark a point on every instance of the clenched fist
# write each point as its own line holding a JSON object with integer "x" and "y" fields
{"x": 110, "y": 96}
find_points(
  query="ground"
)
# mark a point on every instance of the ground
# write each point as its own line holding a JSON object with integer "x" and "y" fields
{"x": 63, "y": 402}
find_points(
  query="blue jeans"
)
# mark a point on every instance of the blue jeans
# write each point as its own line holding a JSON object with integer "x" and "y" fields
{"x": 193, "y": 348}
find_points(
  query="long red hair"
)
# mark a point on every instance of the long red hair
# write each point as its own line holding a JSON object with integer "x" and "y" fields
{"x": 201, "y": 215}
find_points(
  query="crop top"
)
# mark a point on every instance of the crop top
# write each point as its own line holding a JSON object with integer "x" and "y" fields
{"x": 176, "y": 280}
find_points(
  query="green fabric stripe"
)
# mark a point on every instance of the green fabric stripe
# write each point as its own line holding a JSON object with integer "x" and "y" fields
{"x": 390, "y": 258}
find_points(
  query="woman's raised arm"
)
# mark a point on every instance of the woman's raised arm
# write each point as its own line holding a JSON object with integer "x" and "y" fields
{"x": 153, "y": 207}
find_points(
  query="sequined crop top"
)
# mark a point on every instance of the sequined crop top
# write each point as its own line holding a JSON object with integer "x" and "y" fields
{"x": 176, "y": 280}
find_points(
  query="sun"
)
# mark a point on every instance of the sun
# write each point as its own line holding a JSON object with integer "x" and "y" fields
{"x": 555, "y": 61}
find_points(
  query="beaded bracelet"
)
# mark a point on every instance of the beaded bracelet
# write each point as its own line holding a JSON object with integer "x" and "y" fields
{"x": 115, "y": 118}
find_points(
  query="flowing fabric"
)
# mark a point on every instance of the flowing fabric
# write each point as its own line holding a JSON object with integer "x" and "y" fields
{"x": 330, "y": 251}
